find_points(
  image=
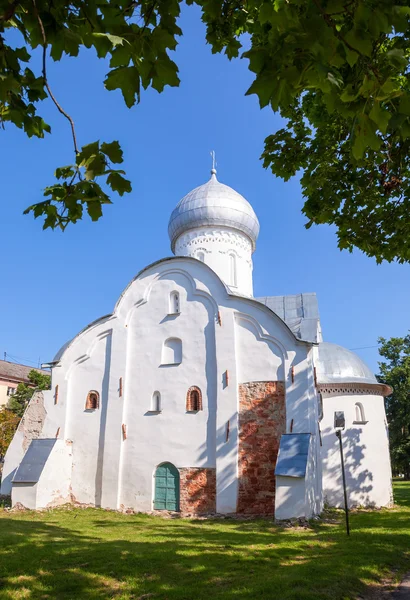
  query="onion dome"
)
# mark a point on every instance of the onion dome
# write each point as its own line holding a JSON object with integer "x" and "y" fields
{"x": 336, "y": 364}
{"x": 213, "y": 204}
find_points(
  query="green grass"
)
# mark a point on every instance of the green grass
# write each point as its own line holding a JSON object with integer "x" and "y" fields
{"x": 90, "y": 553}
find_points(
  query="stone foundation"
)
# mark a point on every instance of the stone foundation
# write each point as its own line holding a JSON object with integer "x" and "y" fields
{"x": 197, "y": 490}
{"x": 262, "y": 420}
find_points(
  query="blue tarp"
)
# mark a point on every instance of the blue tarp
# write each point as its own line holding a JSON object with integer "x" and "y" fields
{"x": 293, "y": 455}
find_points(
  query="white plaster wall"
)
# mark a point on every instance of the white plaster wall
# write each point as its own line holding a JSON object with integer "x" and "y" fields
{"x": 54, "y": 484}
{"x": 217, "y": 245}
{"x": 366, "y": 452}
{"x": 87, "y": 428}
{"x": 290, "y": 498}
{"x": 175, "y": 435}
{"x": 258, "y": 359}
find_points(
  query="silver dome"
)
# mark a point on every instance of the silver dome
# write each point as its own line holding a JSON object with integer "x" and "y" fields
{"x": 214, "y": 204}
{"x": 336, "y": 364}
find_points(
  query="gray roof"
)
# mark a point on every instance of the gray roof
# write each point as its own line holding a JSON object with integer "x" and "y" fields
{"x": 300, "y": 313}
{"x": 34, "y": 461}
{"x": 293, "y": 455}
{"x": 336, "y": 364}
{"x": 17, "y": 373}
{"x": 213, "y": 204}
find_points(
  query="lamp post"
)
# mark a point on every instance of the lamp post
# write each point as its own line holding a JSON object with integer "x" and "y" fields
{"x": 339, "y": 426}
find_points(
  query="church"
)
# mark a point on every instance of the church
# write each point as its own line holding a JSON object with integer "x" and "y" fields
{"x": 195, "y": 396}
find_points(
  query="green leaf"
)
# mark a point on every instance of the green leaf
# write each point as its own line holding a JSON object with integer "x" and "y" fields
{"x": 118, "y": 183}
{"x": 113, "y": 151}
{"x": 266, "y": 12}
{"x": 94, "y": 209}
{"x": 380, "y": 116}
{"x": 127, "y": 79}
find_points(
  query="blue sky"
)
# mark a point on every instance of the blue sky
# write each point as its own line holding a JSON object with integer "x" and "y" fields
{"x": 54, "y": 283}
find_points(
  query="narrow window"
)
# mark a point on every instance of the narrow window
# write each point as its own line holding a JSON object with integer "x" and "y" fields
{"x": 56, "y": 395}
{"x": 359, "y": 413}
{"x": 232, "y": 267}
{"x": 156, "y": 402}
{"x": 201, "y": 256}
{"x": 172, "y": 352}
{"x": 93, "y": 400}
{"x": 11, "y": 391}
{"x": 174, "y": 303}
{"x": 194, "y": 399}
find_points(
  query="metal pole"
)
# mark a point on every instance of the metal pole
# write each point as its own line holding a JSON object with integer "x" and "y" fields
{"x": 339, "y": 435}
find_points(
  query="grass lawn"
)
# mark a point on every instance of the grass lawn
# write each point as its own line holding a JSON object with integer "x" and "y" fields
{"x": 91, "y": 553}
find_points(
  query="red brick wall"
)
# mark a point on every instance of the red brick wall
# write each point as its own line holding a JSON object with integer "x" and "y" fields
{"x": 197, "y": 490}
{"x": 262, "y": 420}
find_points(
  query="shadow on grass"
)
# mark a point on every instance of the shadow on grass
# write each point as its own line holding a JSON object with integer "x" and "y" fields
{"x": 91, "y": 554}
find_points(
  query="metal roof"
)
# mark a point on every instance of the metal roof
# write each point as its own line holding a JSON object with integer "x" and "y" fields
{"x": 293, "y": 455}
{"x": 34, "y": 460}
{"x": 300, "y": 313}
{"x": 336, "y": 364}
{"x": 213, "y": 204}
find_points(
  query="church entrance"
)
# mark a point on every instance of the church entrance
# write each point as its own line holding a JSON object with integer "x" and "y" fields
{"x": 166, "y": 488}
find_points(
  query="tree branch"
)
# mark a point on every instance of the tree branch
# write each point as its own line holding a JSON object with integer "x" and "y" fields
{"x": 10, "y": 11}
{"x": 60, "y": 109}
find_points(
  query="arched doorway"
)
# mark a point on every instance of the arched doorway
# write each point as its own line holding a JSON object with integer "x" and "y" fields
{"x": 166, "y": 495}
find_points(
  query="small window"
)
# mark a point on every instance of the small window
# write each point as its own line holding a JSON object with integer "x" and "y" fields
{"x": 156, "y": 402}
{"x": 93, "y": 400}
{"x": 232, "y": 267}
{"x": 11, "y": 391}
{"x": 359, "y": 413}
{"x": 174, "y": 303}
{"x": 201, "y": 256}
{"x": 172, "y": 352}
{"x": 194, "y": 399}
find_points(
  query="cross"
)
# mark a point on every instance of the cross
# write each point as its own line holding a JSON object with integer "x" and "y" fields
{"x": 213, "y": 160}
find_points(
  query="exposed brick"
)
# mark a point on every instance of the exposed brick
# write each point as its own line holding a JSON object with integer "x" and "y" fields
{"x": 197, "y": 490}
{"x": 262, "y": 420}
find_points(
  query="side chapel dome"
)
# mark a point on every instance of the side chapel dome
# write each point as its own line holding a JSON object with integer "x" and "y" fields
{"x": 213, "y": 204}
{"x": 336, "y": 364}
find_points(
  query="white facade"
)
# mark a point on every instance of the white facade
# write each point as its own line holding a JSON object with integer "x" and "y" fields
{"x": 190, "y": 323}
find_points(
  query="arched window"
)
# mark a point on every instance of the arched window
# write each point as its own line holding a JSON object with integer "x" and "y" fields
{"x": 156, "y": 402}
{"x": 201, "y": 256}
{"x": 172, "y": 352}
{"x": 194, "y": 399}
{"x": 232, "y": 268}
{"x": 93, "y": 400}
{"x": 359, "y": 413}
{"x": 174, "y": 303}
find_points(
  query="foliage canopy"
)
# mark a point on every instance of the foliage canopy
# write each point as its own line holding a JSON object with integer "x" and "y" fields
{"x": 336, "y": 70}
{"x": 18, "y": 402}
{"x": 395, "y": 371}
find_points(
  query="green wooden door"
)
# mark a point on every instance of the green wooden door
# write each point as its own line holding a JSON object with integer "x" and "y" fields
{"x": 166, "y": 487}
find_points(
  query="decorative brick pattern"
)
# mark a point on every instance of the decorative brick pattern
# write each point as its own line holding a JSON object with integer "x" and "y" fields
{"x": 262, "y": 420}
{"x": 197, "y": 490}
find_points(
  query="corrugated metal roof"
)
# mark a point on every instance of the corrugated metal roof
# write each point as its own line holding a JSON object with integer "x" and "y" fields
{"x": 293, "y": 455}
{"x": 33, "y": 461}
{"x": 17, "y": 373}
{"x": 300, "y": 313}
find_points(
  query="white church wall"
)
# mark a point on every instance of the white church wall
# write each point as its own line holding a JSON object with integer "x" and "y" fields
{"x": 182, "y": 438}
{"x": 290, "y": 501}
{"x": 366, "y": 453}
{"x": 87, "y": 428}
{"x": 227, "y": 252}
{"x": 54, "y": 485}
